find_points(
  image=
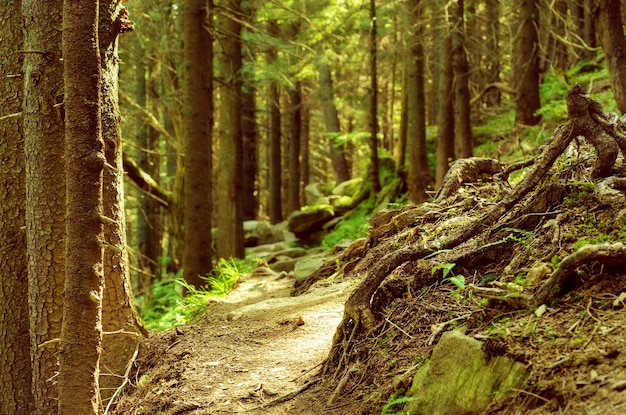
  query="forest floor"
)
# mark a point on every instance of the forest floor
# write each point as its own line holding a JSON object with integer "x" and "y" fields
{"x": 261, "y": 351}
{"x": 251, "y": 348}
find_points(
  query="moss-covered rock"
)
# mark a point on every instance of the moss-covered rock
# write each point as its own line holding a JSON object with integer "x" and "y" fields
{"x": 460, "y": 378}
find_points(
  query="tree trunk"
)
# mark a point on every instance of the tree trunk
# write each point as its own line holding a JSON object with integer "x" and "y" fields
{"x": 374, "y": 169}
{"x": 81, "y": 333}
{"x": 45, "y": 191}
{"x": 229, "y": 223}
{"x": 118, "y": 312}
{"x": 250, "y": 136}
{"x": 526, "y": 64}
{"x": 418, "y": 178}
{"x": 331, "y": 118}
{"x": 16, "y": 374}
{"x": 494, "y": 58}
{"x": 608, "y": 20}
{"x": 198, "y": 123}
{"x": 295, "y": 121}
{"x": 464, "y": 141}
{"x": 249, "y": 155}
{"x": 445, "y": 113}
{"x": 305, "y": 147}
{"x": 275, "y": 171}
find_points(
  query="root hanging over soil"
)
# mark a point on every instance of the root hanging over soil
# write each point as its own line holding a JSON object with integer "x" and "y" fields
{"x": 421, "y": 237}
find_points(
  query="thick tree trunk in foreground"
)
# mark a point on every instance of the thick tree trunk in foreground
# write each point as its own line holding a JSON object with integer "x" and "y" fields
{"x": 16, "y": 374}
{"x": 608, "y": 20}
{"x": 81, "y": 333}
{"x": 198, "y": 122}
{"x": 45, "y": 191}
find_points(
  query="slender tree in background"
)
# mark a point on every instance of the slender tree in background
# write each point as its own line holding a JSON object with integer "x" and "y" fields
{"x": 15, "y": 376}
{"x": 464, "y": 141}
{"x": 45, "y": 191}
{"x": 118, "y": 312}
{"x": 295, "y": 132}
{"x": 331, "y": 118}
{"x": 418, "y": 177}
{"x": 526, "y": 64}
{"x": 493, "y": 56}
{"x": 608, "y": 19}
{"x": 249, "y": 130}
{"x": 274, "y": 175}
{"x": 374, "y": 169}
{"x": 198, "y": 124}
{"x": 445, "y": 99}
{"x": 81, "y": 333}
{"x": 229, "y": 219}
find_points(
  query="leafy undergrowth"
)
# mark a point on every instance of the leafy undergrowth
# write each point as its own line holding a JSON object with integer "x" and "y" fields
{"x": 174, "y": 302}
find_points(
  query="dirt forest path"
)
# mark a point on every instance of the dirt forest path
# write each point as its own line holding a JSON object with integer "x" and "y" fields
{"x": 252, "y": 349}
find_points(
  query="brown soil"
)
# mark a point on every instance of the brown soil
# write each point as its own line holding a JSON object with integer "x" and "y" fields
{"x": 251, "y": 349}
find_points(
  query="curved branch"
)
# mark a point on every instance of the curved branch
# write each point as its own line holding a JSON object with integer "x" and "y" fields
{"x": 608, "y": 254}
{"x": 146, "y": 183}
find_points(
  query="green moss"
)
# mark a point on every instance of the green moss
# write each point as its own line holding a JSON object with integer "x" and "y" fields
{"x": 353, "y": 226}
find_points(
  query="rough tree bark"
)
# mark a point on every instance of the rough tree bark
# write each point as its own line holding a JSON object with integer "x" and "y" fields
{"x": 119, "y": 317}
{"x": 45, "y": 190}
{"x": 16, "y": 376}
{"x": 81, "y": 332}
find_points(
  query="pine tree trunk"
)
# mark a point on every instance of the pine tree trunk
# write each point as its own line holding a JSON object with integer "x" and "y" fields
{"x": 331, "y": 118}
{"x": 81, "y": 333}
{"x": 45, "y": 191}
{"x": 295, "y": 121}
{"x": 445, "y": 111}
{"x": 374, "y": 165}
{"x": 229, "y": 223}
{"x": 608, "y": 19}
{"x": 526, "y": 64}
{"x": 464, "y": 141}
{"x": 249, "y": 134}
{"x": 274, "y": 137}
{"x": 16, "y": 374}
{"x": 118, "y": 312}
{"x": 198, "y": 123}
{"x": 418, "y": 178}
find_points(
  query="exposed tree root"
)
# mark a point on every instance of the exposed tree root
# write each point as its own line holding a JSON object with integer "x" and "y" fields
{"x": 607, "y": 254}
{"x": 395, "y": 246}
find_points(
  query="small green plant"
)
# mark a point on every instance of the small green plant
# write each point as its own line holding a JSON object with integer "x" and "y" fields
{"x": 457, "y": 280}
{"x": 395, "y": 404}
